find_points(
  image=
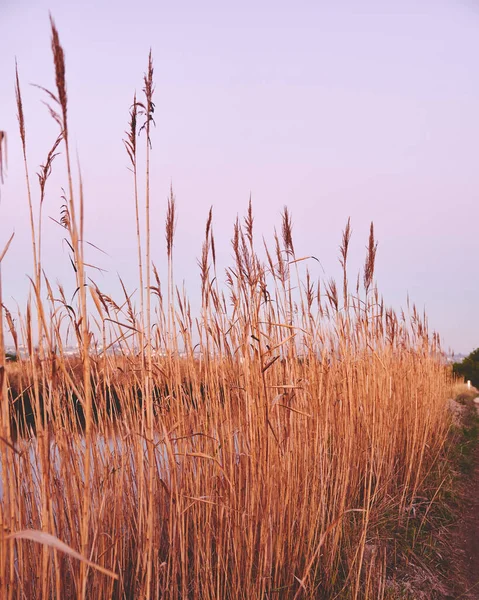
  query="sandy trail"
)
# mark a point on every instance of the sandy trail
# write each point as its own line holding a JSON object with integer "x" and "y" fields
{"x": 468, "y": 534}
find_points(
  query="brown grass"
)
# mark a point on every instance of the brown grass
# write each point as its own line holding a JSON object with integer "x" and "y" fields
{"x": 265, "y": 448}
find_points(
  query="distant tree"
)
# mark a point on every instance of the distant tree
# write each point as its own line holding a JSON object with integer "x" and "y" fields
{"x": 469, "y": 368}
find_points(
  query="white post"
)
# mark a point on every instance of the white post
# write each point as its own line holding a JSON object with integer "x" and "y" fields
{"x": 469, "y": 384}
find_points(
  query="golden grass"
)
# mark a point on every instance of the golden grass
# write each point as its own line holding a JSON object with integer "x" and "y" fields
{"x": 460, "y": 388}
{"x": 253, "y": 451}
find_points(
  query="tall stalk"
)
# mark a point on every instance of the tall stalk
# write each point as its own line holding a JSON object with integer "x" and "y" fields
{"x": 149, "y": 109}
{"x": 131, "y": 147}
{"x": 75, "y": 226}
{"x": 7, "y": 514}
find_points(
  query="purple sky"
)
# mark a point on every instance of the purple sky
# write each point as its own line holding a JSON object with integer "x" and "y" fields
{"x": 335, "y": 108}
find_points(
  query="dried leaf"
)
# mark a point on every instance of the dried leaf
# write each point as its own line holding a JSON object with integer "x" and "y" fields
{"x": 50, "y": 540}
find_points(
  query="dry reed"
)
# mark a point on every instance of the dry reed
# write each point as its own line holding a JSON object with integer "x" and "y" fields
{"x": 259, "y": 450}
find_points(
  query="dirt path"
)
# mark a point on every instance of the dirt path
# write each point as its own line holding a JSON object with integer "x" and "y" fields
{"x": 468, "y": 539}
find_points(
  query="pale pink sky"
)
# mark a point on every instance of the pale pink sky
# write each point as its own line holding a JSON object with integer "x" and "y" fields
{"x": 336, "y": 108}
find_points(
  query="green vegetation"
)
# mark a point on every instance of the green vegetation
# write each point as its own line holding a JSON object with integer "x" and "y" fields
{"x": 469, "y": 432}
{"x": 469, "y": 368}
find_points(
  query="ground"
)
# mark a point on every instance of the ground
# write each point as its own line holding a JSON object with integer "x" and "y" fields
{"x": 467, "y": 534}
{"x": 446, "y": 566}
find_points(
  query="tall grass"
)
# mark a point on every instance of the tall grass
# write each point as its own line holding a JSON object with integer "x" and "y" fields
{"x": 265, "y": 448}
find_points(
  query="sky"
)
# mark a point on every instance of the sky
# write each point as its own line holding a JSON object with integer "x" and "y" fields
{"x": 337, "y": 109}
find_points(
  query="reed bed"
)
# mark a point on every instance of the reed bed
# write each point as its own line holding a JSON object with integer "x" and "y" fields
{"x": 264, "y": 448}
